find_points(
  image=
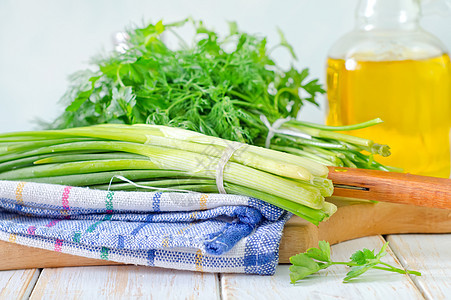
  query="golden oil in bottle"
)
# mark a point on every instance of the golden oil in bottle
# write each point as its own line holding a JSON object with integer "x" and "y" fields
{"x": 411, "y": 96}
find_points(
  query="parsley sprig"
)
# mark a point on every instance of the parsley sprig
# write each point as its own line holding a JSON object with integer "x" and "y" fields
{"x": 316, "y": 259}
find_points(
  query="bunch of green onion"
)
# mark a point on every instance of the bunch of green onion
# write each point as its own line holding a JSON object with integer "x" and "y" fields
{"x": 165, "y": 157}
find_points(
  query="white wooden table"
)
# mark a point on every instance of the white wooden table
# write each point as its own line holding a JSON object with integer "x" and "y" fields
{"x": 429, "y": 254}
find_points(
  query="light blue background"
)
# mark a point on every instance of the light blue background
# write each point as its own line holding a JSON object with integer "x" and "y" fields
{"x": 42, "y": 42}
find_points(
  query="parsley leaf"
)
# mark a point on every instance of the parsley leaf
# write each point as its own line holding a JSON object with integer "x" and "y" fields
{"x": 361, "y": 257}
{"x": 358, "y": 270}
{"x": 322, "y": 253}
{"x": 303, "y": 266}
{"x": 316, "y": 259}
{"x": 300, "y": 272}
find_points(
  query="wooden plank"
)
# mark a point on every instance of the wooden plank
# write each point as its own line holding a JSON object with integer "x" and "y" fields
{"x": 16, "y": 256}
{"x": 124, "y": 282}
{"x": 298, "y": 235}
{"x": 375, "y": 284}
{"x": 431, "y": 255}
{"x": 17, "y": 284}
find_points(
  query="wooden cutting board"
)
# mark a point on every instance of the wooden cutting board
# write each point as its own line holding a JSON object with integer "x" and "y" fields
{"x": 352, "y": 221}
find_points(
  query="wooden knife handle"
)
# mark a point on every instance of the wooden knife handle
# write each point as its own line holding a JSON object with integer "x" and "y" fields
{"x": 392, "y": 187}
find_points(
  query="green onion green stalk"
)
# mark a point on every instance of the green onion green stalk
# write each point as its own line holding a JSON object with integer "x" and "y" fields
{"x": 164, "y": 157}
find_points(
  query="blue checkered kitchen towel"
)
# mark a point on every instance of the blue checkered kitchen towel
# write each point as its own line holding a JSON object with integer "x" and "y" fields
{"x": 190, "y": 231}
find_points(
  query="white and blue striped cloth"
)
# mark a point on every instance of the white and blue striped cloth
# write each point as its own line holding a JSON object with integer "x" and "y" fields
{"x": 189, "y": 231}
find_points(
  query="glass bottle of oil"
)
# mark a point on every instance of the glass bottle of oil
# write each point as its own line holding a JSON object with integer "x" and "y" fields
{"x": 389, "y": 67}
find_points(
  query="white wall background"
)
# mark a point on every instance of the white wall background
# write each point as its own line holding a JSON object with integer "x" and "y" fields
{"x": 43, "y": 41}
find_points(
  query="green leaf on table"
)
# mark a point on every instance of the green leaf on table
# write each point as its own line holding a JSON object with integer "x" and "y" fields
{"x": 304, "y": 260}
{"x": 315, "y": 259}
{"x": 357, "y": 271}
{"x": 383, "y": 251}
{"x": 300, "y": 272}
{"x": 322, "y": 253}
{"x": 361, "y": 257}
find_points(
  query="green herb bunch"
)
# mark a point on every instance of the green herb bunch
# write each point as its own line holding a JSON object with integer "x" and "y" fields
{"x": 219, "y": 86}
{"x": 203, "y": 87}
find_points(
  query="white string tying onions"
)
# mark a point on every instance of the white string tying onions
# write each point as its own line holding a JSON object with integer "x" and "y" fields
{"x": 274, "y": 128}
{"x": 224, "y": 159}
{"x": 120, "y": 177}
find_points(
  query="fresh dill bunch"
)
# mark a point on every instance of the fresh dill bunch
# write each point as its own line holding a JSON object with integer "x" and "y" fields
{"x": 218, "y": 86}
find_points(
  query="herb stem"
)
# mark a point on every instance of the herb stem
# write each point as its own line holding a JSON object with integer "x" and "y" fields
{"x": 118, "y": 76}
{"x": 277, "y": 96}
{"x": 247, "y": 104}
{"x": 242, "y": 96}
{"x": 337, "y": 128}
{"x": 401, "y": 271}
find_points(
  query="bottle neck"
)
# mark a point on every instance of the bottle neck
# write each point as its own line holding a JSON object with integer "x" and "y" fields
{"x": 388, "y": 15}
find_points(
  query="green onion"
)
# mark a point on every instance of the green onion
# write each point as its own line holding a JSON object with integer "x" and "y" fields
{"x": 103, "y": 178}
{"x": 166, "y": 157}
